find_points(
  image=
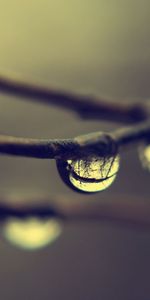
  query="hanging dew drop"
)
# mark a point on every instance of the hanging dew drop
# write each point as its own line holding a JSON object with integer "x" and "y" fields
{"x": 94, "y": 175}
{"x": 89, "y": 175}
{"x": 31, "y": 233}
{"x": 144, "y": 154}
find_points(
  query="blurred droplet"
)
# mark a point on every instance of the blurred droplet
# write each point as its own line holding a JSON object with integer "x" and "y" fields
{"x": 144, "y": 154}
{"x": 31, "y": 233}
{"x": 89, "y": 175}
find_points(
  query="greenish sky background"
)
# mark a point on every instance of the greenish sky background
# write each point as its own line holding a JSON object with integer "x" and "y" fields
{"x": 101, "y": 46}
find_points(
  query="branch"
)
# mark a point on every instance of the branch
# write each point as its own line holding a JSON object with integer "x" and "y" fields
{"x": 101, "y": 144}
{"x": 86, "y": 107}
{"x": 121, "y": 211}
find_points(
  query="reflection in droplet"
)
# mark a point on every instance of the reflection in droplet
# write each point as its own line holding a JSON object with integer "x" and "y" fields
{"x": 31, "y": 233}
{"x": 144, "y": 153}
{"x": 89, "y": 175}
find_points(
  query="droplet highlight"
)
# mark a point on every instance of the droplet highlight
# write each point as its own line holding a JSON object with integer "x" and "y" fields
{"x": 89, "y": 175}
{"x": 144, "y": 154}
{"x": 31, "y": 233}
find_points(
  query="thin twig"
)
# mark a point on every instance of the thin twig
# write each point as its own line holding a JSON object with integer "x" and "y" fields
{"x": 102, "y": 144}
{"x": 87, "y": 107}
{"x": 120, "y": 209}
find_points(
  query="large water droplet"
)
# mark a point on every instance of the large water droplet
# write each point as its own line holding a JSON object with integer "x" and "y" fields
{"x": 31, "y": 233}
{"x": 92, "y": 174}
{"x": 144, "y": 153}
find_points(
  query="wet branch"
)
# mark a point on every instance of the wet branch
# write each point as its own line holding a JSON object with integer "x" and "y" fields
{"x": 99, "y": 143}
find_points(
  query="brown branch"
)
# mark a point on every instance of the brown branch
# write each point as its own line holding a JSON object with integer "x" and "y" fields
{"x": 119, "y": 210}
{"x": 86, "y": 107}
{"x": 102, "y": 144}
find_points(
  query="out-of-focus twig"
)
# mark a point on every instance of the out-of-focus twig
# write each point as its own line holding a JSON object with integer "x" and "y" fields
{"x": 119, "y": 210}
{"x": 87, "y": 107}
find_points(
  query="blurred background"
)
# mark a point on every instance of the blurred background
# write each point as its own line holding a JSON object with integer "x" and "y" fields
{"x": 95, "y": 47}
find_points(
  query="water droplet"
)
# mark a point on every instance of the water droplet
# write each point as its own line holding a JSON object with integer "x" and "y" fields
{"x": 31, "y": 233}
{"x": 89, "y": 175}
{"x": 144, "y": 154}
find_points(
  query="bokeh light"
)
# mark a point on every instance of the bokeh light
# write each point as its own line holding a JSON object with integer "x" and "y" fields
{"x": 31, "y": 233}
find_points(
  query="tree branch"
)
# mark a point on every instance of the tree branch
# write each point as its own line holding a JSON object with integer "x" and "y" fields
{"x": 119, "y": 210}
{"x": 86, "y": 107}
{"x": 102, "y": 144}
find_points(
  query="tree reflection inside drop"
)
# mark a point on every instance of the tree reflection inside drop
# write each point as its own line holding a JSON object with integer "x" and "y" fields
{"x": 89, "y": 175}
{"x": 31, "y": 233}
